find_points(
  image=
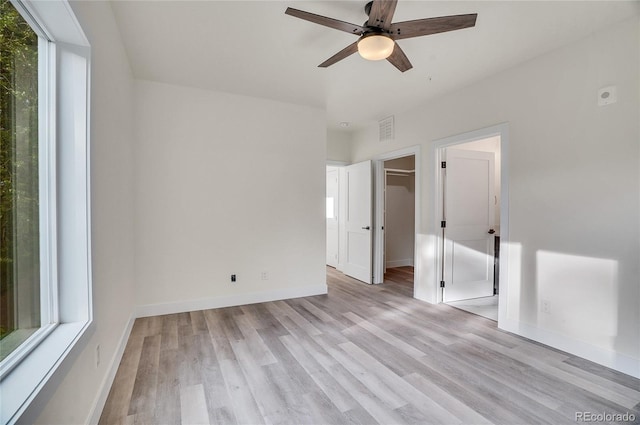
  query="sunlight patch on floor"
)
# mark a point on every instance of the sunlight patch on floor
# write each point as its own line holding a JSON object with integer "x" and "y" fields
{"x": 485, "y": 306}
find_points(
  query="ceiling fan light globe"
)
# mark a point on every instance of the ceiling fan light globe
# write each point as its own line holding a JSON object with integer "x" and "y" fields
{"x": 375, "y": 47}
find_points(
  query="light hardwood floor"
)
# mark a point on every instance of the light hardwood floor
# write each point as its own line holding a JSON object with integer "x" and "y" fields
{"x": 361, "y": 354}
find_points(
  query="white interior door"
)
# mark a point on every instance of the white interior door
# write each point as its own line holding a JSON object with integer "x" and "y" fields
{"x": 358, "y": 221}
{"x": 469, "y": 214}
{"x": 332, "y": 216}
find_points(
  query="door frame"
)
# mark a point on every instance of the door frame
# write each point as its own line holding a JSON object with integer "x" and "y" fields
{"x": 336, "y": 211}
{"x": 435, "y": 197}
{"x": 378, "y": 209}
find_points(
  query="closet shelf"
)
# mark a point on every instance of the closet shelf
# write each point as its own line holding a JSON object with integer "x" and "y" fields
{"x": 398, "y": 172}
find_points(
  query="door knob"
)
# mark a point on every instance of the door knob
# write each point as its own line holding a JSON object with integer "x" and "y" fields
{"x": 366, "y": 228}
{"x": 491, "y": 231}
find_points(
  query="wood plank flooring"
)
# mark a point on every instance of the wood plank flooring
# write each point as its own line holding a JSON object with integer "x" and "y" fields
{"x": 360, "y": 355}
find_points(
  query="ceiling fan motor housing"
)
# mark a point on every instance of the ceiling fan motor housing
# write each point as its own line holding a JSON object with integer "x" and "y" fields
{"x": 367, "y": 8}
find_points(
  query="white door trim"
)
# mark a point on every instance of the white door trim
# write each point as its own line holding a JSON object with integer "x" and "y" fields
{"x": 378, "y": 202}
{"x": 342, "y": 239}
{"x": 435, "y": 204}
{"x": 332, "y": 224}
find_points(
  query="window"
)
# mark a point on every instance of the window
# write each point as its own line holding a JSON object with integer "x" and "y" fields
{"x": 45, "y": 270}
{"x": 20, "y": 299}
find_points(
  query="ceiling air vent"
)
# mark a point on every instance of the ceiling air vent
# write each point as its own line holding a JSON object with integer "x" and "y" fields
{"x": 387, "y": 131}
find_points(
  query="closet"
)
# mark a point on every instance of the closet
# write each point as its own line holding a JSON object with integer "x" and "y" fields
{"x": 399, "y": 212}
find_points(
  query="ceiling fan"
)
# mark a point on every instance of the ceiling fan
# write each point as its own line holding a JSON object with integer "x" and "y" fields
{"x": 378, "y": 34}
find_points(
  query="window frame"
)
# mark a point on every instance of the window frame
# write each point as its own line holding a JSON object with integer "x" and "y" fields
{"x": 65, "y": 226}
{"x": 46, "y": 193}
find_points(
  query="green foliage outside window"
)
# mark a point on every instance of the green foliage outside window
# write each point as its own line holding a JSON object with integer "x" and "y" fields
{"x": 19, "y": 207}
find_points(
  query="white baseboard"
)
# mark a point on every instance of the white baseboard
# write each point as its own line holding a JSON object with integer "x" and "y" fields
{"x": 611, "y": 359}
{"x": 229, "y": 300}
{"x": 107, "y": 382}
{"x": 399, "y": 263}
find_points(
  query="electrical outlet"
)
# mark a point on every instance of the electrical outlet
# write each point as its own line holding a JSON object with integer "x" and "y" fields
{"x": 264, "y": 276}
{"x": 97, "y": 355}
{"x": 233, "y": 278}
{"x": 545, "y": 306}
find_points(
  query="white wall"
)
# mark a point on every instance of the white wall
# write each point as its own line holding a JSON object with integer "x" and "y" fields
{"x": 71, "y": 395}
{"x": 573, "y": 189}
{"x": 338, "y": 145}
{"x": 226, "y": 184}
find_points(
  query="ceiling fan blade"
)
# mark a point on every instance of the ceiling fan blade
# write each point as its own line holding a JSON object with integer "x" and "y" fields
{"x": 381, "y": 13}
{"x": 399, "y": 59}
{"x": 420, "y": 27}
{"x": 347, "y": 51}
{"x": 327, "y": 22}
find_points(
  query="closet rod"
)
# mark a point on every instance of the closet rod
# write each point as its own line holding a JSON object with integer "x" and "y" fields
{"x": 399, "y": 171}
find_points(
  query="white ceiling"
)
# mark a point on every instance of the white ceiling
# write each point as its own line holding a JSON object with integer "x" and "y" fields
{"x": 253, "y": 48}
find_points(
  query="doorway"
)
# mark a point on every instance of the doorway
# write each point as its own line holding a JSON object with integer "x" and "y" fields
{"x": 349, "y": 219}
{"x": 399, "y": 219}
{"x": 352, "y": 254}
{"x": 470, "y": 220}
{"x": 409, "y": 163}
